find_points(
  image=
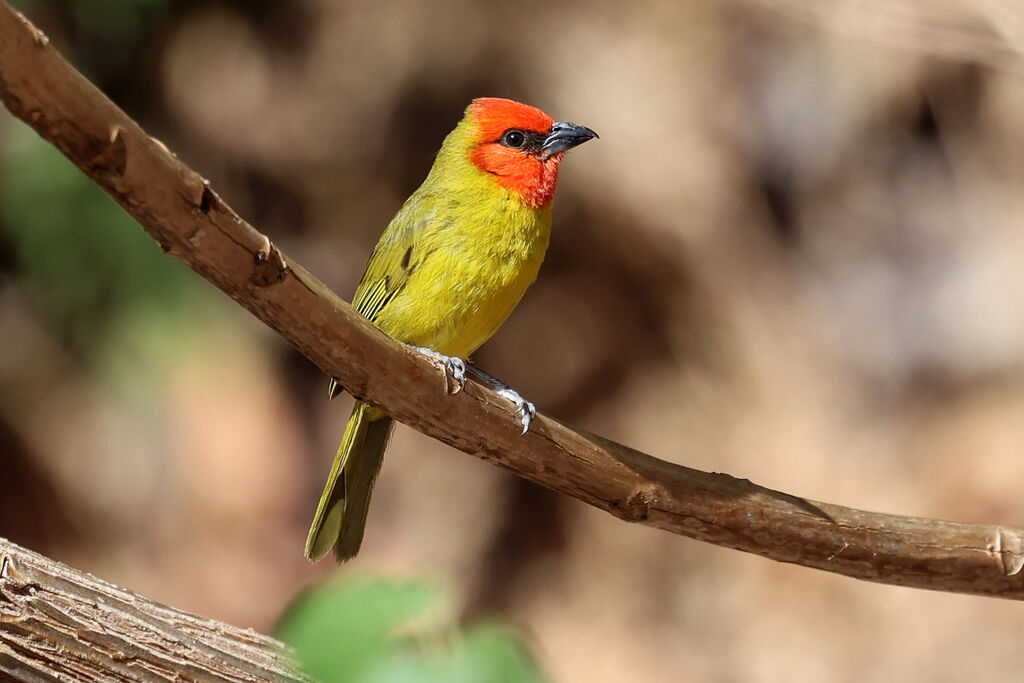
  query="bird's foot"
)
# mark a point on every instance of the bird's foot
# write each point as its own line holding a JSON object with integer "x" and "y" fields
{"x": 523, "y": 408}
{"x": 454, "y": 368}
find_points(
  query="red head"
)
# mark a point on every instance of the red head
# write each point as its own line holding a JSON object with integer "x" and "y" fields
{"x": 521, "y": 146}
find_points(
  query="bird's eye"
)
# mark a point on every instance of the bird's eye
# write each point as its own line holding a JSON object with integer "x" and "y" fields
{"x": 513, "y": 138}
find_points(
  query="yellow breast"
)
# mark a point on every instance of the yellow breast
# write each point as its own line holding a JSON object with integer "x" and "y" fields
{"x": 473, "y": 272}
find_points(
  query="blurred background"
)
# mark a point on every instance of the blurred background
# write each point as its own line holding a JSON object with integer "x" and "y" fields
{"x": 796, "y": 255}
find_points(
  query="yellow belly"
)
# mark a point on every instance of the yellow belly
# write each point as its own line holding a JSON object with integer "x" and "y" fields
{"x": 468, "y": 285}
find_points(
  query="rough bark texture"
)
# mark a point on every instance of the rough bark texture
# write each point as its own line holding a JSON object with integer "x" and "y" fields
{"x": 59, "y": 624}
{"x": 176, "y": 207}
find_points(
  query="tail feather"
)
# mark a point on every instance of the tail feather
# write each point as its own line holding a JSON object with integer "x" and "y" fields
{"x": 341, "y": 515}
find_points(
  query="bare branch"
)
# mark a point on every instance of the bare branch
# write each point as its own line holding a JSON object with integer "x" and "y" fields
{"x": 176, "y": 207}
{"x": 57, "y": 623}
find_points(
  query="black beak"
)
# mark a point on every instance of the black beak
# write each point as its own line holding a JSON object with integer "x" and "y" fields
{"x": 563, "y": 136}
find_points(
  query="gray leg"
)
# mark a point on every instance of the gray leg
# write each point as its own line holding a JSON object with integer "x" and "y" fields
{"x": 524, "y": 409}
{"x": 457, "y": 368}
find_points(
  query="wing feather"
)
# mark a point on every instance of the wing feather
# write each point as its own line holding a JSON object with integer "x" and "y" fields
{"x": 401, "y": 249}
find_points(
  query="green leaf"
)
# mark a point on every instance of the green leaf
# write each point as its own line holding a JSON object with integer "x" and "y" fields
{"x": 380, "y": 631}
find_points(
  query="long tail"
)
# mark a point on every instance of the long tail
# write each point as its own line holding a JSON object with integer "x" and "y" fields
{"x": 341, "y": 515}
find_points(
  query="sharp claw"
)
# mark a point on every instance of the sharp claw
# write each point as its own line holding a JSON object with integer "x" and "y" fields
{"x": 457, "y": 368}
{"x": 335, "y": 388}
{"x": 523, "y": 408}
{"x": 527, "y": 412}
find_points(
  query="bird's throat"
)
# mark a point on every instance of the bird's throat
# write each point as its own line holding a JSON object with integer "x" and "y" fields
{"x": 533, "y": 180}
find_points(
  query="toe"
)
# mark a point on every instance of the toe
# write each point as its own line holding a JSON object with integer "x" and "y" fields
{"x": 335, "y": 388}
{"x": 523, "y": 408}
{"x": 527, "y": 411}
{"x": 457, "y": 368}
{"x": 459, "y": 374}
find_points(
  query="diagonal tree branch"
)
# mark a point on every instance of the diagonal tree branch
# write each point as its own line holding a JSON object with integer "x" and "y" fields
{"x": 176, "y": 207}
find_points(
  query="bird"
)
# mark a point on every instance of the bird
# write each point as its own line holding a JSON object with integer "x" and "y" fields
{"x": 445, "y": 274}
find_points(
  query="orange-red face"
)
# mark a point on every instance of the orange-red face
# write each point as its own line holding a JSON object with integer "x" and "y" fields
{"x": 521, "y": 146}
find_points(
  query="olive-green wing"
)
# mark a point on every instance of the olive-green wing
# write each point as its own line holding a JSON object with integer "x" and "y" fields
{"x": 407, "y": 241}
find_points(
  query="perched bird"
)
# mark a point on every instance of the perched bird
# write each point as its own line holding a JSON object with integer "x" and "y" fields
{"x": 446, "y": 273}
